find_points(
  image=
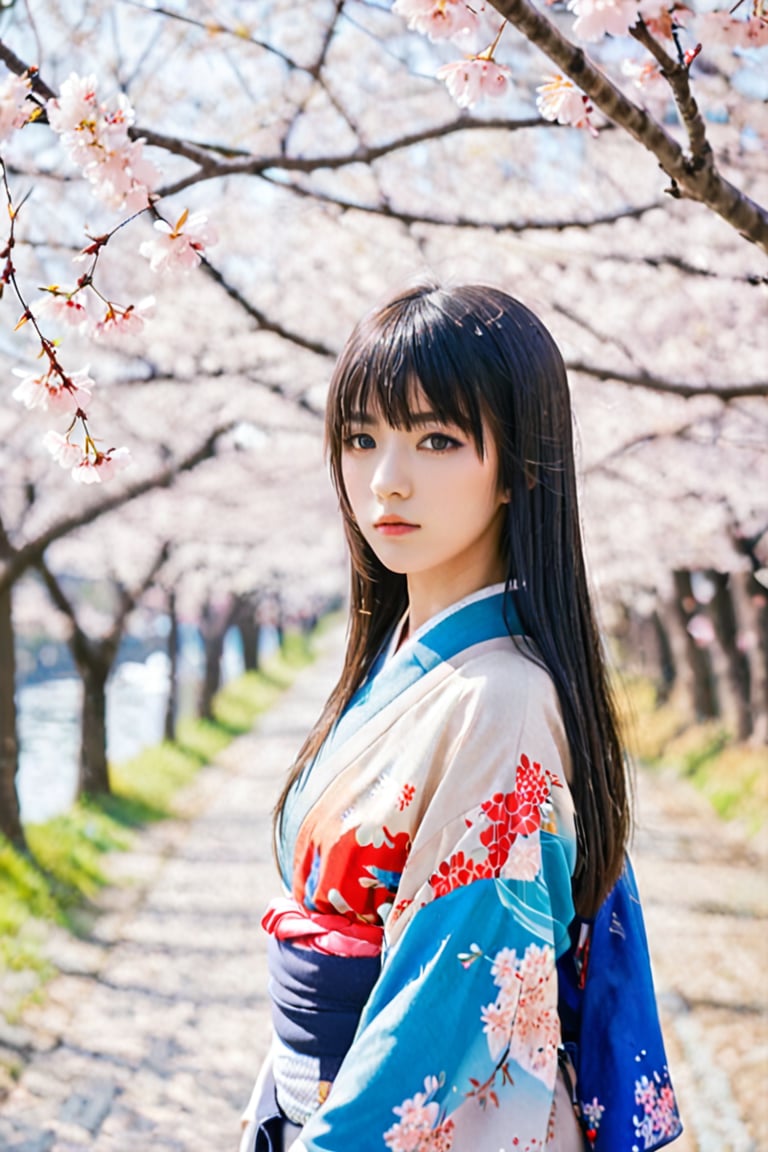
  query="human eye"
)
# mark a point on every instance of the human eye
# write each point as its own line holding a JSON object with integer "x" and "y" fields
{"x": 363, "y": 441}
{"x": 439, "y": 442}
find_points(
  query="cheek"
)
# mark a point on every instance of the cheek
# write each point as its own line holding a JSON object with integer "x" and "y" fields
{"x": 354, "y": 484}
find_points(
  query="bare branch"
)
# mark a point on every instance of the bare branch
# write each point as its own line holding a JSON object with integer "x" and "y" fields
{"x": 681, "y": 265}
{"x": 636, "y": 442}
{"x": 247, "y": 164}
{"x": 410, "y": 218}
{"x": 261, "y": 318}
{"x": 644, "y": 379}
{"x": 214, "y": 28}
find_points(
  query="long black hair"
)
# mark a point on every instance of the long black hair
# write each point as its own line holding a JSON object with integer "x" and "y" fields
{"x": 479, "y": 355}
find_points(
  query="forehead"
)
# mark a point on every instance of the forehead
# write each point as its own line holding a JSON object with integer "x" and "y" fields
{"x": 414, "y": 408}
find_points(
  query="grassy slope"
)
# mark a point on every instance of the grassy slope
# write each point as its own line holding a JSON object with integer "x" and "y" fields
{"x": 65, "y": 867}
{"x": 733, "y": 776}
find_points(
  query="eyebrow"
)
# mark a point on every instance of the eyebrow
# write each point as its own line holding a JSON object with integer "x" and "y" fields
{"x": 416, "y": 418}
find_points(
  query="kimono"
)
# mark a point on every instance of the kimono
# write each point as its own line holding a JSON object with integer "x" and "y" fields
{"x": 428, "y": 935}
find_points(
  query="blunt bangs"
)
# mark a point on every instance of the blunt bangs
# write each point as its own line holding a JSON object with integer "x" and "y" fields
{"x": 412, "y": 347}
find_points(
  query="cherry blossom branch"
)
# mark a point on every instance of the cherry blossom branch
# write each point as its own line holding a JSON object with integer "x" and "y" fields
{"x": 644, "y": 379}
{"x": 676, "y": 73}
{"x": 54, "y": 387}
{"x": 409, "y": 218}
{"x": 690, "y": 177}
{"x": 17, "y": 66}
{"x": 20, "y": 560}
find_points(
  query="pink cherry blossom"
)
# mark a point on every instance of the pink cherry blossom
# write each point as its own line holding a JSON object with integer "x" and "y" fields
{"x": 498, "y": 1019}
{"x": 71, "y": 309}
{"x": 75, "y": 106}
{"x": 102, "y": 467}
{"x": 62, "y": 449}
{"x": 438, "y": 19}
{"x": 559, "y": 99}
{"x": 48, "y": 391}
{"x": 595, "y": 18}
{"x": 469, "y": 80}
{"x": 181, "y": 246}
{"x": 96, "y": 136}
{"x": 123, "y": 177}
{"x": 644, "y": 74}
{"x": 15, "y": 109}
{"x": 738, "y": 33}
{"x": 118, "y": 322}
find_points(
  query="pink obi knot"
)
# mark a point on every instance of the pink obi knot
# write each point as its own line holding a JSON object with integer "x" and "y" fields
{"x": 329, "y": 933}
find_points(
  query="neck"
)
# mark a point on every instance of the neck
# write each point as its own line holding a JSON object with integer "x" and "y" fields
{"x": 428, "y": 596}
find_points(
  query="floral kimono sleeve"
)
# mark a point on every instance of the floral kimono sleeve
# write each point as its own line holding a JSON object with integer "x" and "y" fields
{"x": 457, "y": 1045}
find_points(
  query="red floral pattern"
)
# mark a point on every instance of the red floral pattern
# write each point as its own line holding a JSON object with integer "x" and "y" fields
{"x": 407, "y": 793}
{"x": 456, "y": 872}
{"x": 506, "y": 816}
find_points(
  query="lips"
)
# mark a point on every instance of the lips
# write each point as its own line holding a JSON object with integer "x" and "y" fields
{"x": 394, "y": 526}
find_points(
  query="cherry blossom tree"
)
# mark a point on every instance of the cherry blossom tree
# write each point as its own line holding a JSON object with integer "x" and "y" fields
{"x": 227, "y": 233}
{"x": 94, "y": 658}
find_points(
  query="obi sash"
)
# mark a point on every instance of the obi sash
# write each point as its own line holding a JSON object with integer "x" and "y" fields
{"x": 317, "y": 999}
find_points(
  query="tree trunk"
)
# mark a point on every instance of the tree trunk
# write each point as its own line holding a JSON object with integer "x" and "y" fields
{"x": 723, "y": 613}
{"x": 752, "y": 604}
{"x": 94, "y": 772}
{"x": 172, "y": 704}
{"x": 700, "y": 678}
{"x": 667, "y": 672}
{"x": 213, "y": 628}
{"x": 10, "y": 818}
{"x": 249, "y": 631}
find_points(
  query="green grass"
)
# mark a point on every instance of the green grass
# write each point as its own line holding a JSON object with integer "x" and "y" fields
{"x": 59, "y": 877}
{"x": 733, "y": 776}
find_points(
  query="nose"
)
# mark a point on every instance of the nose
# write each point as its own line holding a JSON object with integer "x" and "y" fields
{"x": 391, "y": 476}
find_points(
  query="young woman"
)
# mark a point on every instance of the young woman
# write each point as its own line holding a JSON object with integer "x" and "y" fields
{"x": 460, "y": 964}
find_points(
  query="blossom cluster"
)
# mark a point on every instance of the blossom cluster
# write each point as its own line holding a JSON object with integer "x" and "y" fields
{"x": 523, "y": 1019}
{"x": 477, "y": 75}
{"x": 99, "y": 137}
{"x": 420, "y": 1128}
{"x": 558, "y": 99}
{"x": 660, "y": 1118}
{"x": 15, "y": 108}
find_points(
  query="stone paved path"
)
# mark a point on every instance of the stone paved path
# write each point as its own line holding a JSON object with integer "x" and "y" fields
{"x": 150, "y": 1038}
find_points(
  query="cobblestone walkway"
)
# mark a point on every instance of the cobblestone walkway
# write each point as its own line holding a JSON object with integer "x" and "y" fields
{"x": 151, "y": 1037}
